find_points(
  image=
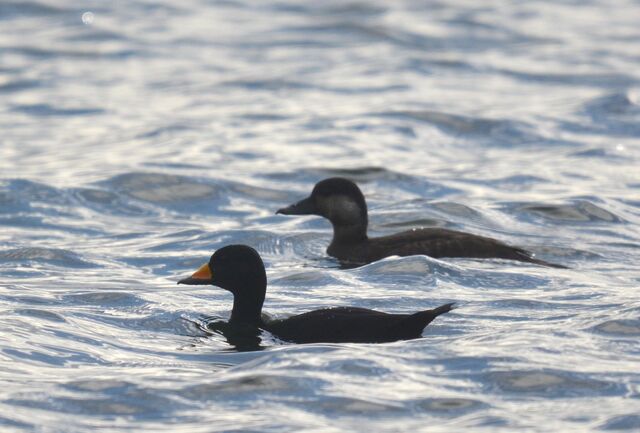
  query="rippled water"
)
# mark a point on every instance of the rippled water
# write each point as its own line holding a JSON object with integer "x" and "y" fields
{"x": 138, "y": 141}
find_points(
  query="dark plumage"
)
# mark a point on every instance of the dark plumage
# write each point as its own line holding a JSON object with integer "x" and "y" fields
{"x": 342, "y": 203}
{"x": 240, "y": 270}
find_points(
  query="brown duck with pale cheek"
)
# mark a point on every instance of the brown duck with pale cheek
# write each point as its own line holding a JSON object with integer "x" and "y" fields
{"x": 240, "y": 270}
{"x": 342, "y": 203}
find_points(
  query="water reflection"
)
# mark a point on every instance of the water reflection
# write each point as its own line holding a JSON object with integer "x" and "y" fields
{"x": 136, "y": 145}
{"x": 241, "y": 337}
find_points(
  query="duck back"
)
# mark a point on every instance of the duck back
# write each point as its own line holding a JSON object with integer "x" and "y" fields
{"x": 353, "y": 325}
{"x": 433, "y": 242}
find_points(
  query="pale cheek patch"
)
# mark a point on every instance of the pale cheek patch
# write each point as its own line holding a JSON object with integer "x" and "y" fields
{"x": 341, "y": 208}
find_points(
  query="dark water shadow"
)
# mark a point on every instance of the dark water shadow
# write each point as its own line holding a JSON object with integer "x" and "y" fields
{"x": 241, "y": 338}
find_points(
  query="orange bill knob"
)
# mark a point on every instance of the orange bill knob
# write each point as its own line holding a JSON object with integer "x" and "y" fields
{"x": 202, "y": 276}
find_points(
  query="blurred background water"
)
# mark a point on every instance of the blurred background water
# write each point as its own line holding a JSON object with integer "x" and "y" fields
{"x": 137, "y": 137}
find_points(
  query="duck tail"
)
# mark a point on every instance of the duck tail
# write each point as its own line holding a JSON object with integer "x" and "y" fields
{"x": 443, "y": 309}
{"x": 548, "y": 264}
{"x": 527, "y": 257}
{"x": 425, "y": 317}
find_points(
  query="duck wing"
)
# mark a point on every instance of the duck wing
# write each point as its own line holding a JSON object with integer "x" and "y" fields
{"x": 437, "y": 242}
{"x": 352, "y": 325}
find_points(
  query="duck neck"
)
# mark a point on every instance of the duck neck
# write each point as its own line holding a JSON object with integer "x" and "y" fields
{"x": 349, "y": 234}
{"x": 247, "y": 306}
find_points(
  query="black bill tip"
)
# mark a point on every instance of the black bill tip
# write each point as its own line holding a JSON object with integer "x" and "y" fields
{"x": 194, "y": 281}
{"x": 303, "y": 207}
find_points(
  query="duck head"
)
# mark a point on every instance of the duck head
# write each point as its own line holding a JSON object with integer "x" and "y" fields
{"x": 337, "y": 199}
{"x": 240, "y": 270}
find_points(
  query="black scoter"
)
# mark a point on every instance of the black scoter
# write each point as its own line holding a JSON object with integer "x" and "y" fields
{"x": 240, "y": 270}
{"x": 343, "y": 204}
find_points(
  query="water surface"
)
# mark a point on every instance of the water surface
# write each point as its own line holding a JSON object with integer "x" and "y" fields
{"x": 136, "y": 142}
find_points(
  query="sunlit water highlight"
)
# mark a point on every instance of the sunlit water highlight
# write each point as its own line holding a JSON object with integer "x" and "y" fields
{"x": 139, "y": 137}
